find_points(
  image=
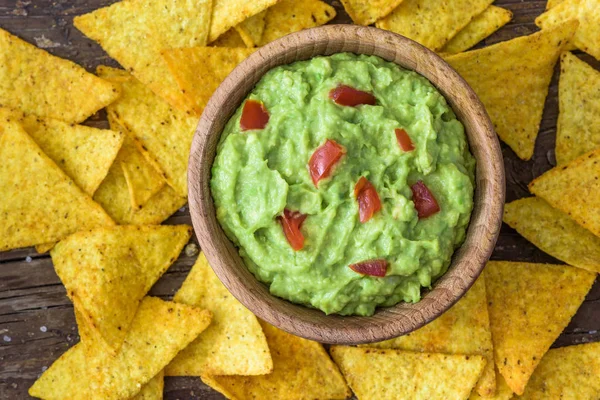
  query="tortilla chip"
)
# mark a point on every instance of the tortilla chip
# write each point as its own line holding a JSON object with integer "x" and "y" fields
{"x": 233, "y": 344}
{"x": 107, "y": 272}
{"x": 134, "y": 32}
{"x": 554, "y": 232}
{"x": 301, "y": 370}
{"x": 214, "y": 62}
{"x": 567, "y": 373}
{"x": 251, "y": 30}
{"x": 432, "y": 22}
{"x": 152, "y": 390}
{"x": 553, "y": 3}
{"x": 529, "y": 306}
{"x": 511, "y": 79}
{"x": 161, "y": 133}
{"x": 158, "y": 332}
{"x": 503, "y": 392}
{"x": 579, "y": 102}
{"x": 39, "y": 203}
{"x": 231, "y": 38}
{"x": 464, "y": 329}
{"x": 38, "y": 83}
{"x": 366, "y": 12}
{"x": 574, "y": 188}
{"x": 587, "y": 12}
{"x": 289, "y": 16}
{"x": 482, "y": 26}
{"x": 396, "y": 374}
{"x": 228, "y": 13}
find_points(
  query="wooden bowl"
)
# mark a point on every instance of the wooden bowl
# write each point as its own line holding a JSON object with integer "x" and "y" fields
{"x": 467, "y": 262}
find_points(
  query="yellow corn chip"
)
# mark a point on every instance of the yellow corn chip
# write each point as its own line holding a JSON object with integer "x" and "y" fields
{"x": 554, "y": 232}
{"x": 567, "y": 373}
{"x": 38, "y": 83}
{"x": 574, "y": 188}
{"x": 251, "y": 30}
{"x": 579, "y": 101}
{"x": 39, "y": 203}
{"x": 159, "y": 330}
{"x": 464, "y": 329}
{"x": 587, "y": 12}
{"x": 529, "y": 306}
{"x": 503, "y": 392}
{"x": 134, "y": 32}
{"x": 228, "y": 13}
{"x": 552, "y": 3}
{"x": 289, "y": 16}
{"x": 107, "y": 272}
{"x": 511, "y": 79}
{"x": 301, "y": 370}
{"x": 233, "y": 344}
{"x": 395, "y": 374}
{"x": 152, "y": 390}
{"x": 200, "y": 70}
{"x": 482, "y": 26}
{"x": 432, "y": 22}
{"x": 365, "y": 12}
{"x": 162, "y": 134}
{"x": 231, "y": 38}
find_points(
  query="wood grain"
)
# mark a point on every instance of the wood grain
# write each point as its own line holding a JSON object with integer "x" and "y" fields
{"x": 31, "y": 297}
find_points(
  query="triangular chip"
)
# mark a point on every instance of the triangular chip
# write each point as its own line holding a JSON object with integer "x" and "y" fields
{"x": 134, "y": 32}
{"x": 464, "y": 329}
{"x": 84, "y": 153}
{"x": 107, "y": 272}
{"x": 251, "y": 30}
{"x": 432, "y": 22}
{"x": 511, "y": 79}
{"x": 395, "y": 374}
{"x": 577, "y": 129}
{"x": 503, "y": 391}
{"x": 231, "y": 38}
{"x": 152, "y": 390}
{"x": 366, "y": 12}
{"x": 214, "y": 62}
{"x": 553, "y": 232}
{"x": 587, "y": 12}
{"x": 233, "y": 344}
{"x": 161, "y": 133}
{"x": 567, "y": 373}
{"x": 158, "y": 332}
{"x": 289, "y": 16}
{"x": 301, "y": 370}
{"x": 38, "y": 83}
{"x": 228, "y": 13}
{"x": 482, "y": 26}
{"x": 529, "y": 306}
{"x": 574, "y": 188}
{"x": 38, "y": 202}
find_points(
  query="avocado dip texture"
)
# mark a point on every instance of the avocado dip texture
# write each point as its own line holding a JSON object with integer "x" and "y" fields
{"x": 346, "y": 182}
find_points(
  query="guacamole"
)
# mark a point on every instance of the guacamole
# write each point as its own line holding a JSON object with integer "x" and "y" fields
{"x": 346, "y": 182}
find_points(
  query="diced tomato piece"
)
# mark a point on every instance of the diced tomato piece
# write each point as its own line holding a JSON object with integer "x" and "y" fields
{"x": 425, "y": 202}
{"x": 254, "y": 115}
{"x": 368, "y": 199}
{"x": 348, "y": 96}
{"x": 404, "y": 140}
{"x": 291, "y": 222}
{"x": 371, "y": 267}
{"x": 323, "y": 159}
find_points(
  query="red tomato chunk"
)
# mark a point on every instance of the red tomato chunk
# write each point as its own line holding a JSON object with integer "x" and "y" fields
{"x": 371, "y": 267}
{"x": 323, "y": 160}
{"x": 425, "y": 202}
{"x": 404, "y": 140}
{"x": 291, "y": 222}
{"x": 368, "y": 199}
{"x": 254, "y": 115}
{"x": 348, "y": 96}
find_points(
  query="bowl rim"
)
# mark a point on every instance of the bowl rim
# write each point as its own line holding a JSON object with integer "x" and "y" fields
{"x": 469, "y": 259}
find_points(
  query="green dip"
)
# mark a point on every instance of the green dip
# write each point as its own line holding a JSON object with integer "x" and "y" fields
{"x": 258, "y": 173}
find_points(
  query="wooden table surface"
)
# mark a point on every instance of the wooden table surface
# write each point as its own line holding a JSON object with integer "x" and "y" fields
{"x": 36, "y": 317}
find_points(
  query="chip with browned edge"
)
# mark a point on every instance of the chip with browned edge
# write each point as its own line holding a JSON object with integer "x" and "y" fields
{"x": 529, "y": 306}
{"x": 233, "y": 344}
{"x": 464, "y": 329}
{"x": 366, "y": 12}
{"x": 107, "y": 272}
{"x": 38, "y": 202}
{"x": 38, "y": 83}
{"x": 511, "y": 78}
{"x": 158, "y": 332}
{"x": 388, "y": 374}
{"x": 134, "y": 32}
{"x": 251, "y": 30}
{"x": 577, "y": 129}
{"x": 301, "y": 370}
{"x": 227, "y": 14}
